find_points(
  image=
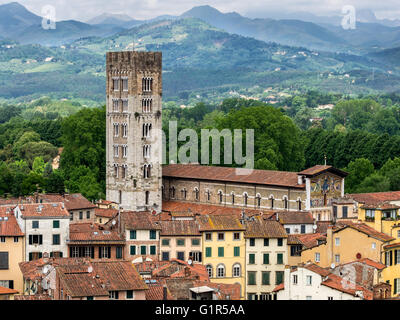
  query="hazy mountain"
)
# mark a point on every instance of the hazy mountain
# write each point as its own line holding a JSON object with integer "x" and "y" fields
{"x": 388, "y": 56}
{"x": 19, "y": 24}
{"x": 118, "y": 20}
{"x": 289, "y": 32}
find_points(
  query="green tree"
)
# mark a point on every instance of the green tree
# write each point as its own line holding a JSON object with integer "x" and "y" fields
{"x": 358, "y": 170}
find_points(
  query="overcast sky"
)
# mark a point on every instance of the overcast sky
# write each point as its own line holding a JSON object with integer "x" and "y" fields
{"x": 143, "y": 9}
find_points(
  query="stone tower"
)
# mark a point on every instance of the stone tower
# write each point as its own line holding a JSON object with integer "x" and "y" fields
{"x": 134, "y": 140}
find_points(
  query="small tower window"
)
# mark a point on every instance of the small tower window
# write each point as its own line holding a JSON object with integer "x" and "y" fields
{"x": 147, "y": 197}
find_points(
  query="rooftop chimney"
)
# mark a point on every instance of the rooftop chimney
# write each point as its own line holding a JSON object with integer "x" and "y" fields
{"x": 165, "y": 292}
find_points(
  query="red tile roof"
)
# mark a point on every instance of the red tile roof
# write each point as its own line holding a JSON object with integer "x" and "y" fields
{"x": 138, "y": 220}
{"x": 8, "y": 224}
{"x": 364, "y": 228}
{"x": 50, "y": 210}
{"x": 156, "y": 292}
{"x": 33, "y": 297}
{"x": 105, "y": 213}
{"x": 219, "y": 222}
{"x": 181, "y": 269}
{"x": 279, "y": 287}
{"x": 73, "y": 201}
{"x": 375, "y": 197}
{"x": 223, "y": 290}
{"x": 318, "y": 169}
{"x": 203, "y": 209}
{"x": 226, "y": 174}
{"x": 261, "y": 228}
{"x": 372, "y": 263}
{"x": 310, "y": 240}
{"x": 179, "y": 228}
{"x": 293, "y": 217}
{"x": 4, "y": 290}
{"x": 92, "y": 232}
{"x": 81, "y": 285}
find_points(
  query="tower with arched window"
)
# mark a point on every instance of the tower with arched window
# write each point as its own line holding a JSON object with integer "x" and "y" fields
{"x": 133, "y": 139}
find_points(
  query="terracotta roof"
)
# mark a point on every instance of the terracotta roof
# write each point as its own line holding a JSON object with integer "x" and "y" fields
{"x": 73, "y": 201}
{"x": 293, "y": 239}
{"x": 310, "y": 240}
{"x": 181, "y": 269}
{"x": 261, "y": 228}
{"x": 322, "y": 226}
{"x": 219, "y": 222}
{"x": 222, "y": 290}
{"x": 32, "y": 297}
{"x": 318, "y": 169}
{"x": 85, "y": 232}
{"x": 138, "y": 220}
{"x": 170, "y": 207}
{"x": 179, "y": 228}
{"x": 9, "y": 226}
{"x": 380, "y": 206}
{"x": 392, "y": 245}
{"x": 4, "y": 290}
{"x": 375, "y": 197}
{"x": 33, "y": 210}
{"x": 32, "y": 270}
{"x": 293, "y": 217}
{"x": 156, "y": 292}
{"x": 227, "y": 174}
{"x": 317, "y": 269}
{"x": 369, "y": 262}
{"x": 81, "y": 285}
{"x": 364, "y": 228}
{"x": 118, "y": 275}
{"x": 279, "y": 287}
{"x": 105, "y": 213}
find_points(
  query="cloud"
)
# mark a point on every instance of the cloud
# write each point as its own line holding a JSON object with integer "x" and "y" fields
{"x": 145, "y": 9}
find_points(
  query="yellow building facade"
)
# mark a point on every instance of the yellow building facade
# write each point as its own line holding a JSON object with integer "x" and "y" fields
{"x": 12, "y": 249}
{"x": 223, "y": 247}
{"x": 346, "y": 243}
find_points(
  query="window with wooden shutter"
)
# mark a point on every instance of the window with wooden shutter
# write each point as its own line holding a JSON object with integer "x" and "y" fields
{"x": 4, "y": 261}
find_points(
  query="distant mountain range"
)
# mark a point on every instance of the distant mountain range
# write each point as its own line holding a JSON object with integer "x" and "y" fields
{"x": 307, "y": 30}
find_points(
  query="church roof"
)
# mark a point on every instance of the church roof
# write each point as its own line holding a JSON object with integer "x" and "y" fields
{"x": 227, "y": 174}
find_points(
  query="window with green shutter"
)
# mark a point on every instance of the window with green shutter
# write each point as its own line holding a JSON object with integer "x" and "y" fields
{"x": 280, "y": 242}
{"x": 143, "y": 250}
{"x": 279, "y": 259}
{"x": 220, "y": 251}
{"x": 152, "y": 250}
{"x": 165, "y": 242}
{"x": 265, "y": 277}
{"x": 208, "y": 252}
{"x": 195, "y": 242}
{"x": 278, "y": 277}
{"x": 266, "y": 242}
{"x": 129, "y": 294}
{"x": 252, "y": 258}
{"x": 251, "y": 278}
{"x": 133, "y": 234}
{"x": 266, "y": 258}
{"x": 56, "y": 224}
{"x": 153, "y": 234}
{"x": 236, "y": 251}
{"x": 180, "y": 242}
{"x": 133, "y": 250}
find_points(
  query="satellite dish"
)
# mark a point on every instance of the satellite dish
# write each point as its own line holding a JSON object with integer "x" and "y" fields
{"x": 90, "y": 269}
{"x": 314, "y": 227}
{"x": 332, "y": 266}
{"x": 114, "y": 222}
{"x": 190, "y": 262}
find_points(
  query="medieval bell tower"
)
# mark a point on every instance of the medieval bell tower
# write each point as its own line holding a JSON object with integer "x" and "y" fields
{"x": 133, "y": 138}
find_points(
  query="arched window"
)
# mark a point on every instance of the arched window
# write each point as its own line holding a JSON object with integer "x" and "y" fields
{"x": 285, "y": 202}
{"x": 147, "y": 171}
{"x": 208, "y": 195}
{"x": 124, "y": 170}
{"x": 209, "y": 269}
{"x": 236, "y": 270}
{"x": 184, "y": 193}
{"x": 220, "y": 271}
{"x": 172, "y": 192}
{"x": 245, "y": 199}
{"x": 147, "y": 197}
{"x": 220, "y": 196}
{"x": 115, "y": 170}
{"x": 258, "y": 200}
{"x": 196, "y": 194}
